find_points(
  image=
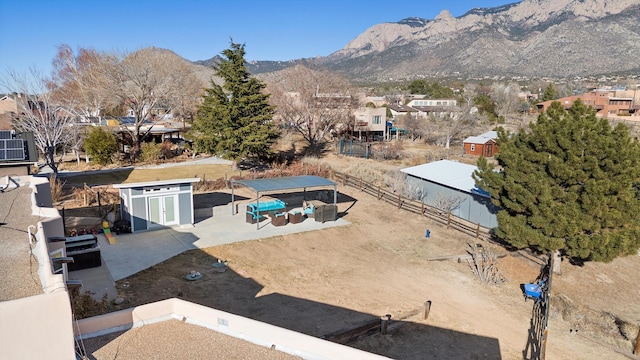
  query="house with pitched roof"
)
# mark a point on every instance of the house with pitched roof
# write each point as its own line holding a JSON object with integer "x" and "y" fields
{"x": 481, "y": 145}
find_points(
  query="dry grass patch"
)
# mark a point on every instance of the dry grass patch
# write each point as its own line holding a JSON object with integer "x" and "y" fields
{"x": 204, "y": 172}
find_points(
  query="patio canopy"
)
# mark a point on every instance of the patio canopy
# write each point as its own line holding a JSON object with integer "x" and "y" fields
{"x": 283, "y": 183}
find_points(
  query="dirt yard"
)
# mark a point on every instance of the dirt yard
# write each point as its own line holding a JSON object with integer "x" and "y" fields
{"x": 323, "y": 282}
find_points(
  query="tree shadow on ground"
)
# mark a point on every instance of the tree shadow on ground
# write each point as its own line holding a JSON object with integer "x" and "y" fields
{"x": 318, "y": 150}
{"x": 229, "y": 291}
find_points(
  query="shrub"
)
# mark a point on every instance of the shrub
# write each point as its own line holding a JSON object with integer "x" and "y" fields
{"x": 167, "y": 149}
{"x": 151, "y": 152}
{"x": 84, "y": 305}
{"x": 100, "y": 145}
{"x": 56, "y": 188}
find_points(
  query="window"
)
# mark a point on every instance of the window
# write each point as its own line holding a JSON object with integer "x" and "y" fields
{"x": 473, "y": 147}
{"x": 377, "y": 120}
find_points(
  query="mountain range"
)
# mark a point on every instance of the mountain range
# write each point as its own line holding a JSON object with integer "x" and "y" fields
{"x": 531, "y": 38}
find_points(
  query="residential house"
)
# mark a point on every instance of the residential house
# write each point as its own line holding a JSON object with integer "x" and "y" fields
{"x": 370, "y": 123}
{"x": 433, "y": 102}
{"x": 8, "y": 103}
{"x": 527, "y": 96}
{"x": 481, "y": 145}
{"x": 378, "y": 101}
{"x": 606, "y": 103}
{"x": 8, "y": 109}
{"x": 400, "y": 110}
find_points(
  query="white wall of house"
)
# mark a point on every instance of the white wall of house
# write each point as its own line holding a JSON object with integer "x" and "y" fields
{"x": 433, "y": 102}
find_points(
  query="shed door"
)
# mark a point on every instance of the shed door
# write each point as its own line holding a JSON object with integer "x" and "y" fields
{"x": 488, "y": 150}
{"x": 162, "y": 210}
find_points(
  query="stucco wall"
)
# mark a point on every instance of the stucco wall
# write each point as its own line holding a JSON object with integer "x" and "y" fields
{"x": 41, "y": 326}
{"x": 260, "y": 333}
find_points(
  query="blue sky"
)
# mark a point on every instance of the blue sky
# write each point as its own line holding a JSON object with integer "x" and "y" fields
{"x": 198, "y": 30}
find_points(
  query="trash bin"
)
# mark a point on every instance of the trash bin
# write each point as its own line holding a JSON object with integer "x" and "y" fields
{"x": 427, "y": 234}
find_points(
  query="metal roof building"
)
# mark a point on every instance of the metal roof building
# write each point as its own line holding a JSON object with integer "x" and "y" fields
{"x": 451, "y": 183}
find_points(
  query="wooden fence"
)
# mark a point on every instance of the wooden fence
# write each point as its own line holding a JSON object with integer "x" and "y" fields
{"x": 414, "y": 206}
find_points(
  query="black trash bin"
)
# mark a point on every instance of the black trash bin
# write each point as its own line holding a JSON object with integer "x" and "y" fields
{"x": 122, "y": 226}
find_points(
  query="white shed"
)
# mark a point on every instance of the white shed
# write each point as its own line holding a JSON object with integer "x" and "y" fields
{"x": 153, "y": 204}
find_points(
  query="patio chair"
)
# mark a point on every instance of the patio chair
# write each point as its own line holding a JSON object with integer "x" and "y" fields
{"x": 279, "y": 219}
{"x": 295, "y": 217}
{"x": 309, "y": 211}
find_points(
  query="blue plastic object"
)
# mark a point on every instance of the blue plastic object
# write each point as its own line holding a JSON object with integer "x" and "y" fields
{"x": 532, "y": 291}
{"x": 428, "y": 234}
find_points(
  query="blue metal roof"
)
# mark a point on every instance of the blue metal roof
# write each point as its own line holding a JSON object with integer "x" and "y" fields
{"x": 285, "y": 183}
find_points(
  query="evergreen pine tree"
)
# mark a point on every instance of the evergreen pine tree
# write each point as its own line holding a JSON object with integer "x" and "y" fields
{"x": 549, "y": 93}
{"x": 235, "y": 119}
{"x": 568, "y": 184}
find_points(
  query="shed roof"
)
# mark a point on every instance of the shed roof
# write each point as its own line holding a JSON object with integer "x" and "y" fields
{"x": 156, "y": 183}
{"x": 448, "y": 173}
{"x": 490, "y": 134}
{"x": 285, "y": 183}
{"x": 477, "y": 140}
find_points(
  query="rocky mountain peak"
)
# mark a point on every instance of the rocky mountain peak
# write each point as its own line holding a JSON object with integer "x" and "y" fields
{"x": 541, "y": 37}
{"x": 444, "y": 15}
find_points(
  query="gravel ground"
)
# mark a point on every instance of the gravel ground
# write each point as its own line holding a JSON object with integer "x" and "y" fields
{"x": 20, "y": 278}
{"x": 187, "y": 342}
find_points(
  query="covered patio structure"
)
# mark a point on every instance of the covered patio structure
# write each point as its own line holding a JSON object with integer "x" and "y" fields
{"x": 263, "y": 186}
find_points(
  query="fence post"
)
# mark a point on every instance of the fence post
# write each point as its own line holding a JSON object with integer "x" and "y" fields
{"x": 378, "y": 196}
{"x": 636, "y": 351}
{"x": 422, "y": 209}
{"x": 478, "y": 231}
{"x": 84, "y": 194}
{"x": 427, "y": 309}
{"x": 99, "y": 203}
{"x": 64, "y": 223}
{"x": 345, "y": 179}
{"x": 399, "y": 201}
{"x": 448, "y": 219}
{"x": 384, "y": 324}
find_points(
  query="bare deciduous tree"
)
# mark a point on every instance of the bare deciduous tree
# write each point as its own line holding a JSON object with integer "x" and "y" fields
{"x": 505, "y": 98}
{"x": 483, "y": 264}
{"x": 151, "y": 83}
{"x": 397, "y": 181}
{"x": 78, "y": 80}
{"x": 454, "y": 125}
{"x": 39, "y": 113}
{"x": 447, "y": 203}
{"x": 312, "y": 103}
{"x": 415, "y": 127}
